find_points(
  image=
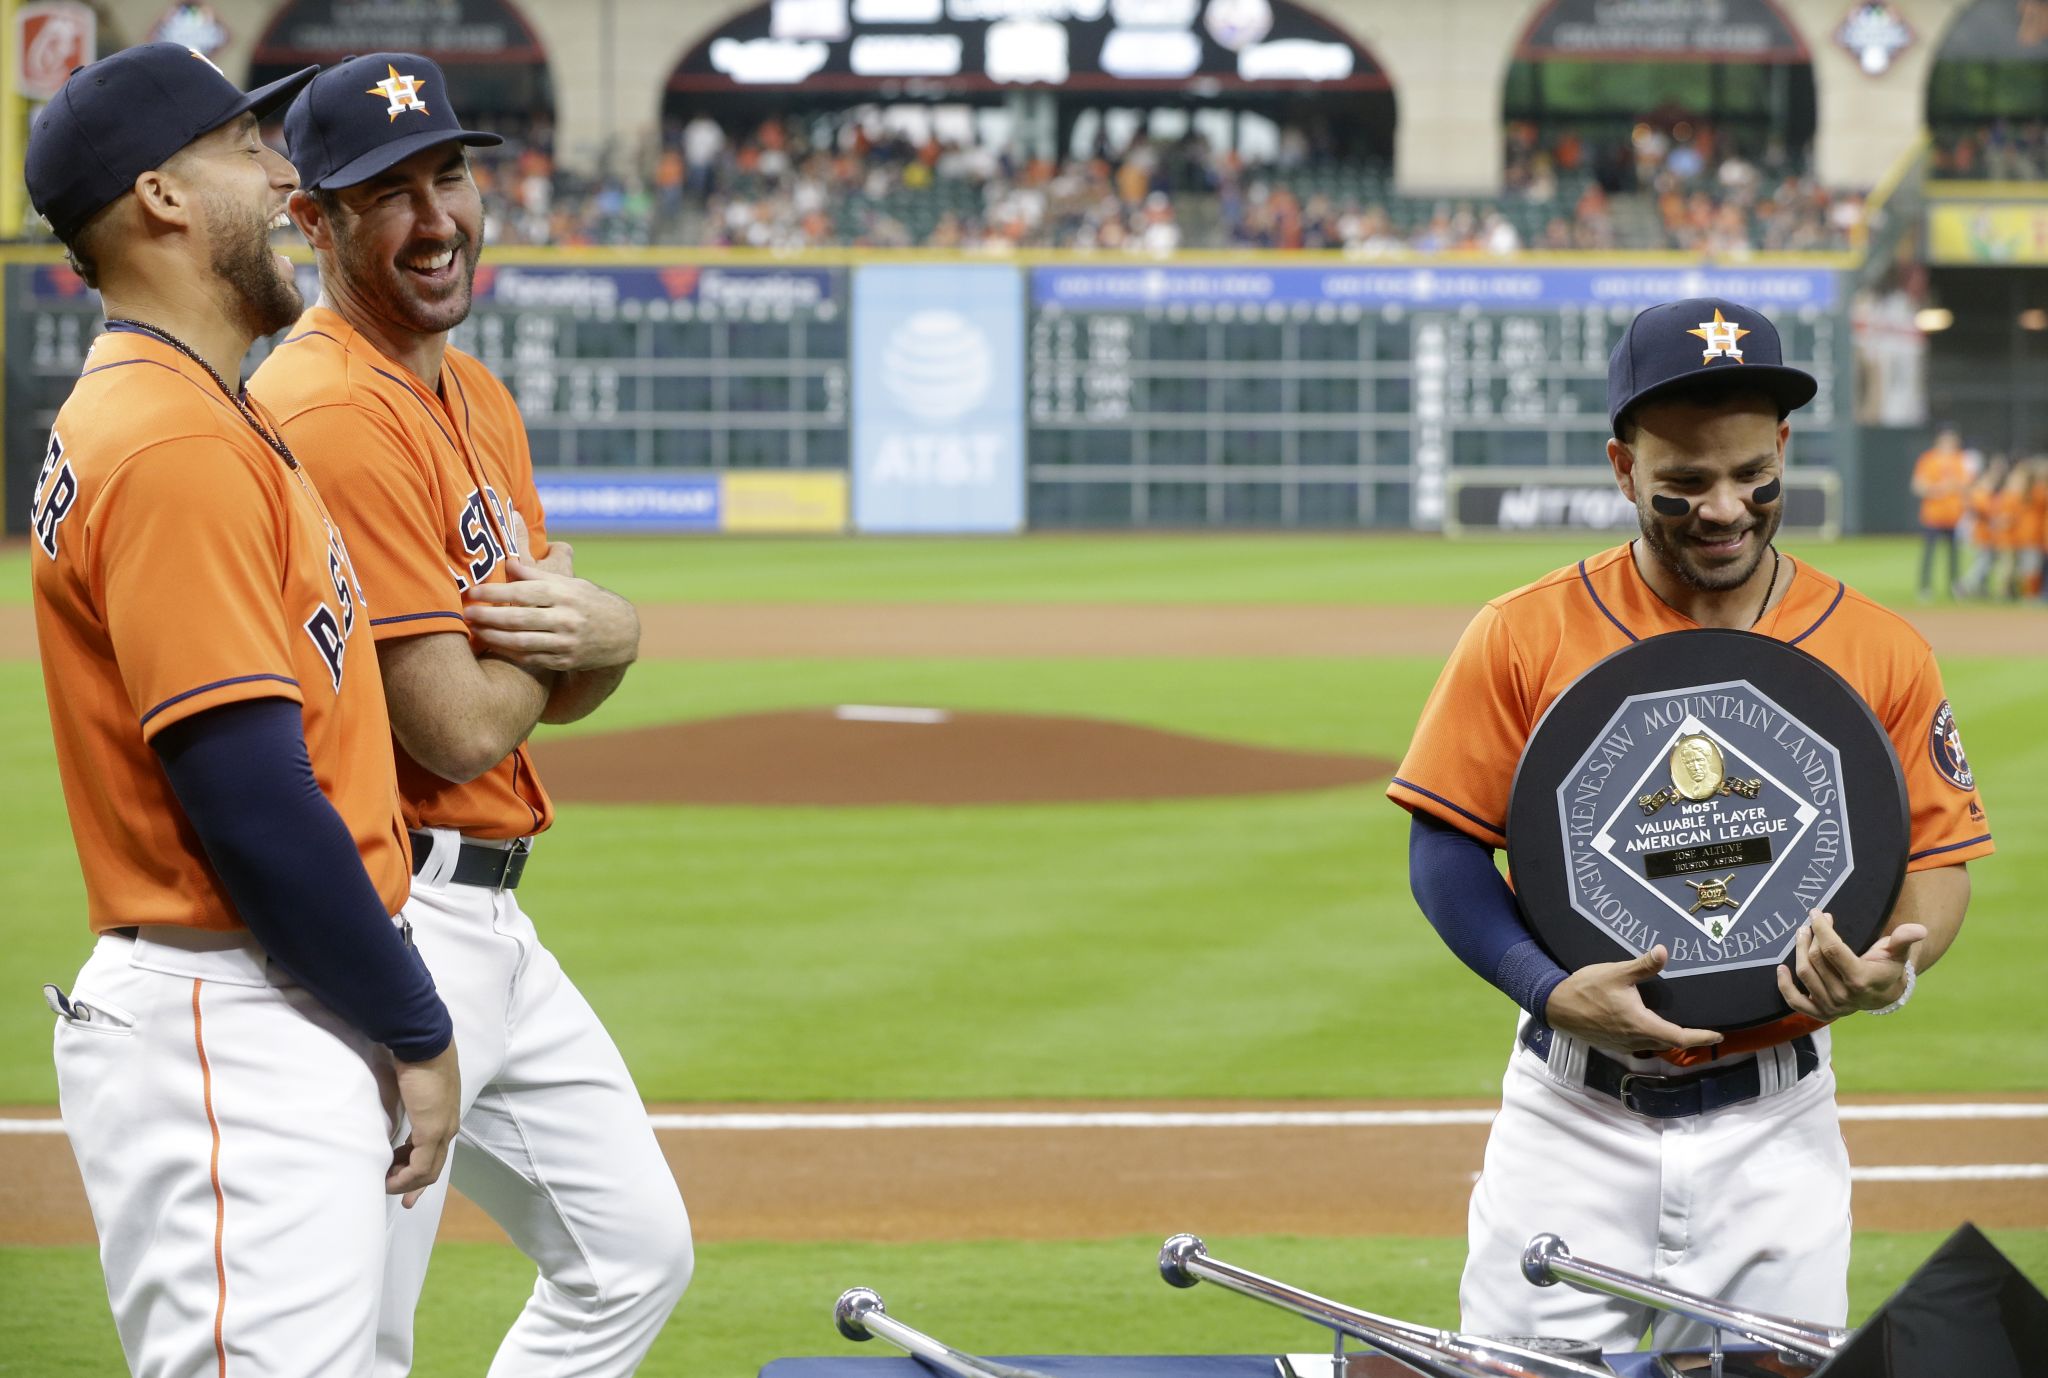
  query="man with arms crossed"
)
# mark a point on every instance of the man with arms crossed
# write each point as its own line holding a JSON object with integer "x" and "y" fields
{"x": 482, "y": 632}
{"x": 1725, "y": 1174}
{"x": 233, "y": 1054}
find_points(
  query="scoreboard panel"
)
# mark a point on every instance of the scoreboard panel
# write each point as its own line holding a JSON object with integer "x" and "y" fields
{"x": 1306, "y": 393}
{"x": 1185, "y": 396}
{"x": 647, "y": 368}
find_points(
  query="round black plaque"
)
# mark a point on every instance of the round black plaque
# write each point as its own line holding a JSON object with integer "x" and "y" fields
{"x": 1705, "y": 790}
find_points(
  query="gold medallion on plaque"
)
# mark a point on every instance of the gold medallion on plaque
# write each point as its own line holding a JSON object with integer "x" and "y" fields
{"x": 1712, "y": 893}
{"x": 1696, "y": 769}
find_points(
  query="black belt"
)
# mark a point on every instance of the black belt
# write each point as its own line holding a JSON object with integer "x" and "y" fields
{"x": 494, "y": 868}
{"x": 1670, "y": 1098}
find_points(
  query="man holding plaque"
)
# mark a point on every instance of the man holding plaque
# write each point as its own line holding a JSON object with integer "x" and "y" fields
{"x": 1716, "y": 837}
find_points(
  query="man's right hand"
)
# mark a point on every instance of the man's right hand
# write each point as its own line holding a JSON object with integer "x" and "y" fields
{"x": 431, "y": 1093}
{"x": 1602, "y": 1005}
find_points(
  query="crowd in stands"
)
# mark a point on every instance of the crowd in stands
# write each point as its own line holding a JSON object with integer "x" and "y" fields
{"x": 770, "y": 186}
{"x": 2000, "y": 151}
{"x": 1710, "y": 195}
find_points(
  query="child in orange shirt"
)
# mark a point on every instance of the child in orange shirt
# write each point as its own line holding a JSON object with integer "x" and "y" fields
{"x": 2008, "y": 533}
{"x": 2031, "y": 542}
{"x": 1983, "y": 540}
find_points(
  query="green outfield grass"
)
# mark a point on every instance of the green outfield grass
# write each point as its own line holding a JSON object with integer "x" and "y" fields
{"x": 1044, "y": 951}
{"x": 1369, "y": 568}
{"x": 792, "y": 954}
{"x": 754, "y": 1302}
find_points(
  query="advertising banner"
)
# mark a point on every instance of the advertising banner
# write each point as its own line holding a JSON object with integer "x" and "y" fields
{"x": 594, "y": 500}
{"x": 938, "y": 399}
{"x": 1671, "y": 30}
{"x": 1489, "y": 501}
{"x": 1419, "y": 288}
{"x": 741, "y": 501}
{"x": 779, "y": 503}
{"x": 1988, "y": 232}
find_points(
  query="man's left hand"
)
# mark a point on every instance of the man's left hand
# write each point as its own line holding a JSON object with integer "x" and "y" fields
{"x": 1834, "y": 981}
{"x": 547, "y": 620}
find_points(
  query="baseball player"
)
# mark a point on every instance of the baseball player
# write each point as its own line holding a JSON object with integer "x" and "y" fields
{"x": 482, "y": 631}
{"x": 1711, "y": 1162}
{"x": 232, "y": 1056}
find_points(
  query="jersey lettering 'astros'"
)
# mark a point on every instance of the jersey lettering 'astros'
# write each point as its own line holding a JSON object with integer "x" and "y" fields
{"x": 426, "y": 485}
{"x": 1526, "y": 647}
{"x": 179, "y": 565}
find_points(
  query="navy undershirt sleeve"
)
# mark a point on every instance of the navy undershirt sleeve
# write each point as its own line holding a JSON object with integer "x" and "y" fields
{"x": 242, "y": 776}
{"x": 1473, "y": 911}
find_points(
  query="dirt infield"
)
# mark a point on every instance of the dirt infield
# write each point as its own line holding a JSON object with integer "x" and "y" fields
{"x": 785, "y": 631}
{"x": 861, "y": 1179}
{"x": 856, "y": 756}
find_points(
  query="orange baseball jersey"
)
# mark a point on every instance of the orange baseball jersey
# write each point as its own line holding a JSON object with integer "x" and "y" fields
{"x": 1979, "y": 508}
{"x": 2030, "y": 524}
{"x": 426, "y": 486}
{"x": 2002, "y": 520}
{"x": 179, "y": 565}
{"x": 1945, "y": 474}
{"x": 1526, "y": 647}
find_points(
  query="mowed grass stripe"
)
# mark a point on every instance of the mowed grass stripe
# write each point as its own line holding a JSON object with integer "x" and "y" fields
{"x": 1056, "y": 951}
{"x": 753, "y": 1302}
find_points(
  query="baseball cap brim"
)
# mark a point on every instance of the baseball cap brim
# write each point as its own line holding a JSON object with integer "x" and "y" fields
{"x": 262, "y": 101}
{"x": 397, "y": 151}
{"x": 1790, "y": 387}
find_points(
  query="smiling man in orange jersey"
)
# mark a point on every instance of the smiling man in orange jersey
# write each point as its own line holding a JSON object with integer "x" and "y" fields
{"x": 482, "y": 632}
{"x": 231, "y": 1059}
{"x": 1712, "y": 1162}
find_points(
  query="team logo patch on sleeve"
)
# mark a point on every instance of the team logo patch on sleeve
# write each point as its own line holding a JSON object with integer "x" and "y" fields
{"x": 1945, "y": 746}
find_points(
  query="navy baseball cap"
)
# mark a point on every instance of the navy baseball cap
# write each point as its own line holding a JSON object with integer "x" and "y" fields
{"x": 1703, "y": 343}
{"x": 117, "y": 118}
{"x": 364, "y": 114}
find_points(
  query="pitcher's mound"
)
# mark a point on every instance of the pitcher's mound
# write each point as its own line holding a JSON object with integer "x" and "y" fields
{"x": 864, "y": 755}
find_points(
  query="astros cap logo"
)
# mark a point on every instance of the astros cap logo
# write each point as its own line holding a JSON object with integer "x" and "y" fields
{"x": 1720, "y": 336}
{"x": 402, "y": 92}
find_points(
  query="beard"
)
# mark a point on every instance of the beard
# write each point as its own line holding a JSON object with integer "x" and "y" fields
{"x": 393, "y": 293}
{"x": 1674, "y": 548}
{"x": 260, "y": 298}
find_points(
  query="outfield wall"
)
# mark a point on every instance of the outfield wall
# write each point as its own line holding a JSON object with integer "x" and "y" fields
{"x": 705, "y": 393}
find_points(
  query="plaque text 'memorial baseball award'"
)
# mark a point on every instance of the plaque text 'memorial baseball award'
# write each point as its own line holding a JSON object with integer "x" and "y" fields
{"x": 1706, "y": 790}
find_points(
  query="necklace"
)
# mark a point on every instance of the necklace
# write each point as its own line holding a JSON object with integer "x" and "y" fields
{"x": 276, "y": 442}
{"x": 1770, "y": 588}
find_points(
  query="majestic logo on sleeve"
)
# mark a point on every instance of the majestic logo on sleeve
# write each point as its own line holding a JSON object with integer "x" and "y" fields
{"x": 50, "y": 500}
{"x": 403, "y": 93}
{"x": 1721, "y": 336}
{"x": 1945, "y": 745}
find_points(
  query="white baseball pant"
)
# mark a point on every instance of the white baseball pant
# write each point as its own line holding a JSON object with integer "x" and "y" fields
{"x": 555, "y": 1147}
{"x": 233, "y": 1137}
{"x": 1749, "y": 1204}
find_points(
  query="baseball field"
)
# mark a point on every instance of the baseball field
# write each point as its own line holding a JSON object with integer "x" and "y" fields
{"x": 974, "y": 914}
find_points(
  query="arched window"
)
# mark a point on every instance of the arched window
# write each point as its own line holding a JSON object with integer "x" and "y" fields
{"x": 1987, "y": 93}
{"x": 1621, "y": 88}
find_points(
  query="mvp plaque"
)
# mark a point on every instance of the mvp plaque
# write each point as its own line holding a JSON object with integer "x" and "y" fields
{"x": 1706, "y": 790}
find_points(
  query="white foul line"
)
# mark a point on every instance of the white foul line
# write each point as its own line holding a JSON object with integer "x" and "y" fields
{"x": 1954, "y": 1172}
{"x": 877, "y": 712}
{"x": 860, "y": 1121}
